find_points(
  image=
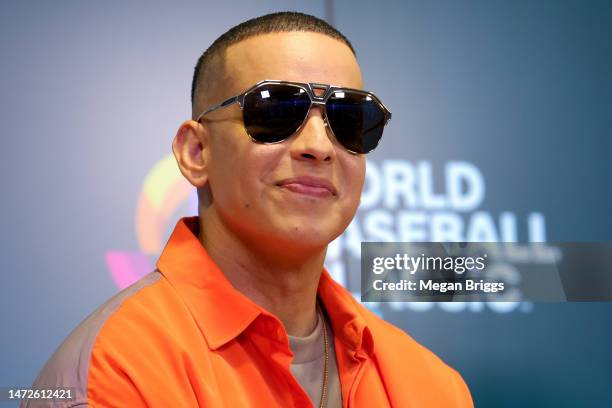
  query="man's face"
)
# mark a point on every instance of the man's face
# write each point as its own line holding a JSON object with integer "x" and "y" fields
{"x": 246, "y": 178}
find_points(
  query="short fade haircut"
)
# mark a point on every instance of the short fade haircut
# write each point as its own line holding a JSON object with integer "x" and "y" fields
{"x": 285, "y": 21}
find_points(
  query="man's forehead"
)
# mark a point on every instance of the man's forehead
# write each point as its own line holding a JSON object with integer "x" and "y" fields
{"x": 291, "y": 56}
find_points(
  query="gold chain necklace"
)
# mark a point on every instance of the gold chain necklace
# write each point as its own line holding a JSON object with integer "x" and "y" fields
{"x": 323, "y": 401}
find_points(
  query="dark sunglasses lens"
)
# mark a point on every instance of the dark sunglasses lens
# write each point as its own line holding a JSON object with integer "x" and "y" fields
{"x": 356, "y": 119}
{"x": 273, "y": 112}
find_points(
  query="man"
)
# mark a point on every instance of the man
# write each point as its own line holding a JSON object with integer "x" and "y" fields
{"x": 240, "y": 311}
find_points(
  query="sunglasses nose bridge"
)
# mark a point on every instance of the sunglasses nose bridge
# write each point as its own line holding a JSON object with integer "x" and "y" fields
{"x": 320, "y": 102}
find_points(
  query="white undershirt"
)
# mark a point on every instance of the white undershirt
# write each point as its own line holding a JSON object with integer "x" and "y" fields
{"x": 309, "y": 361}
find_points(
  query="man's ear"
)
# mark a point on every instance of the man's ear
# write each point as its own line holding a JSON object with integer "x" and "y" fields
{"x": 191, "y": 150}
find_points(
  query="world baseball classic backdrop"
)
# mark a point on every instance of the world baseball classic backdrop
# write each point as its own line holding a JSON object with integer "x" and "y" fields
{"x": 501, "y": 132}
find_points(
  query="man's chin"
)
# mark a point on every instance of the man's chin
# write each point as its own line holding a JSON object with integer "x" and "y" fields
{"x": 306, "y": 237}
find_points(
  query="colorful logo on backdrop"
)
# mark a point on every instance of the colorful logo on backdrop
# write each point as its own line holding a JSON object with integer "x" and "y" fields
{"x": 401, "y": 201}
{"x": 163, "y": 192}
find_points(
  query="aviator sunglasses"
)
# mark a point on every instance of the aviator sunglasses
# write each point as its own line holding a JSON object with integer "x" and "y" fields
{"x": 272, "y": 111}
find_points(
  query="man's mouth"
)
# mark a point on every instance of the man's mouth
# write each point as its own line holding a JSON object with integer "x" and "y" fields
{"x": 309, "y": 185}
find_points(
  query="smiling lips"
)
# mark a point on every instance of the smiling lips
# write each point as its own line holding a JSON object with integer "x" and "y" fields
{"x": 308, "y": 185}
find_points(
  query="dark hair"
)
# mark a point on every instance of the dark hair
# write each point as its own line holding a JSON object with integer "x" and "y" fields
{"x": 270, "y": 23}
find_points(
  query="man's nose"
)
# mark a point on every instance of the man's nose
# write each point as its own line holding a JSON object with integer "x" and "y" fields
{"x": 312, "y": 142}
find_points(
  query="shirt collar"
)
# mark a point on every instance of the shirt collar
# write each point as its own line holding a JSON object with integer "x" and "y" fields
{"x": 222, "y": 312}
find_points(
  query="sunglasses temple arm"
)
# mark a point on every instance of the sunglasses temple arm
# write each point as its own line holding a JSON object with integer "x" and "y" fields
{"x": 223, "y": 104}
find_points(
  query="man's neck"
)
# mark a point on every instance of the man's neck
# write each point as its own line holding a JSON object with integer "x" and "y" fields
{"x": 286, "y": 286}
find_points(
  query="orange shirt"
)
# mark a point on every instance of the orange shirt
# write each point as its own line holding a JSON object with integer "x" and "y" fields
{"x": 184, "y": 337}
